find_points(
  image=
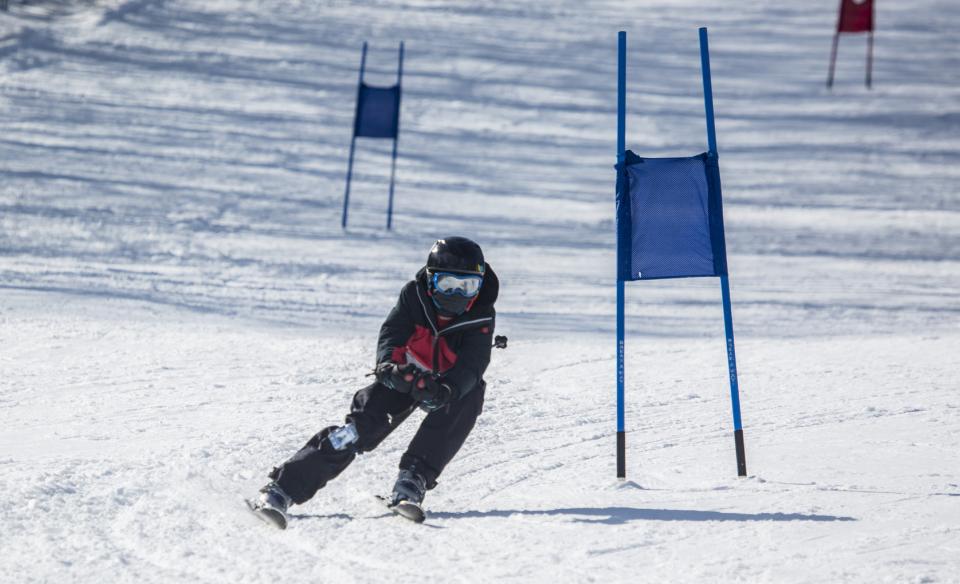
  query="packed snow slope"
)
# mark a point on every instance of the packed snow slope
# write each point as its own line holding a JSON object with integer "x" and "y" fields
{"x": 180, "y": 309}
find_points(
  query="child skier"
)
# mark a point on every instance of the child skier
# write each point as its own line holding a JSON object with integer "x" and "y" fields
{"x": 432, "y": 352}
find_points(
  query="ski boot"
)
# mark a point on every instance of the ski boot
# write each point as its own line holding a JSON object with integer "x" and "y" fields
{"x": 407, "y": 496}
{"x": 271, "y": 505}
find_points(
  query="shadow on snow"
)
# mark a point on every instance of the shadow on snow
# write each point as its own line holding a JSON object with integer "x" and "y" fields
{"x": 623, "y": 515}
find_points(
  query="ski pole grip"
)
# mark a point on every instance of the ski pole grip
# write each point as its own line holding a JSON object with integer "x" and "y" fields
{"x": 500, "y": 342}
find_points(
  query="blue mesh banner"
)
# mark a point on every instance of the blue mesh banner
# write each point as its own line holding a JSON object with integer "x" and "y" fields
{"x": 378, "y": 110}
{"x": 670, "y": 219}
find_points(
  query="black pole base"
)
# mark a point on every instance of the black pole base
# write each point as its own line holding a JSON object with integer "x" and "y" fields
{"x": 741, "y": 455}
{"x": 621, "y": 455}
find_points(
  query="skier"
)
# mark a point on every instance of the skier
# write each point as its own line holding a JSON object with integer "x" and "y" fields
{"x": 432, "y": 352}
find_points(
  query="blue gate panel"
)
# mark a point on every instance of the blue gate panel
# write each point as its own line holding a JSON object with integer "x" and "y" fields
{"x": 378, "y": 112}
{"x": 670, "y": 219}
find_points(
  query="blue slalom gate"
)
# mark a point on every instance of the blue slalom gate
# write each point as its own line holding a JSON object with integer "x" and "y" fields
{"x": 670, "y": 225}
{"x": 377, "y": 116}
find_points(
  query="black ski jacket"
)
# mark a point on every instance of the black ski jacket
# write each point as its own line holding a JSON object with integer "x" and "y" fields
{"x": 459, "y": 352}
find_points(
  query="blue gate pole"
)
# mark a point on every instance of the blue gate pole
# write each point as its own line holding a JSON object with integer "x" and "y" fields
{"x": 346, "y": 194}
{"x": 353, "y": 139}
{"x": 724, "y": 281}
{"x": 396, "y": 137}
{"x": 621, "y": 148}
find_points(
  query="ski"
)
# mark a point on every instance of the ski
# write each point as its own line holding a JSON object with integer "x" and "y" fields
{"x": 406, "y": 509}
{"x": 267, "y": 515}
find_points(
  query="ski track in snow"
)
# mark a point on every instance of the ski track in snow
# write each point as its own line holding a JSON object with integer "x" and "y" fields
{"x": 180, "y": 310}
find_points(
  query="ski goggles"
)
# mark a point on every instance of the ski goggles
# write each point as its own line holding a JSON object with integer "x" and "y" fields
{"x": 447, "y": 283}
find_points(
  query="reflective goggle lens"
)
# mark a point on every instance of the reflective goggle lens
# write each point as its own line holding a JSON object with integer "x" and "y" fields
{"x": 462, "y": 284}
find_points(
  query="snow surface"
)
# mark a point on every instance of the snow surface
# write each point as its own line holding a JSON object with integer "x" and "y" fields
{"x": 181, "y": 310}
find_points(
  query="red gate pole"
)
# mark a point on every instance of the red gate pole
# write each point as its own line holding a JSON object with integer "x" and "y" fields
{"x": 833, "y": 59}
{"x": 870, "y": 60}
{"x": 836, "y": 40}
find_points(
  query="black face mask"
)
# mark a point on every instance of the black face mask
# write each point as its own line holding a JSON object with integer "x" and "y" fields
{"x": 453, "y": 305}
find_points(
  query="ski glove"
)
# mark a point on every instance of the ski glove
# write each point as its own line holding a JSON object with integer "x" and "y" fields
{"x": 432, "y": 393}
{"x": 397, "y": 377}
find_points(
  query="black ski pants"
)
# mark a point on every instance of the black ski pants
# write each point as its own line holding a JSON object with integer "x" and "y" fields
{"x": 374, "y": 408}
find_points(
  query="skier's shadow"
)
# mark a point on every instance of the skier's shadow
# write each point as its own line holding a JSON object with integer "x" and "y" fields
{"x": 299, "y": 516}
{"x": 346, "y": 517}
{"x": 623, "y": 515}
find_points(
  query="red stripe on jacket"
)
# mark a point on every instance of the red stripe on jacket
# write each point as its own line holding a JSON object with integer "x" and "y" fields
{"x": 419, "y": 351}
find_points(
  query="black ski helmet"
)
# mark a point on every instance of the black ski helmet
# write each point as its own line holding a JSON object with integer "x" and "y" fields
{"x": 457, "y": 255}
